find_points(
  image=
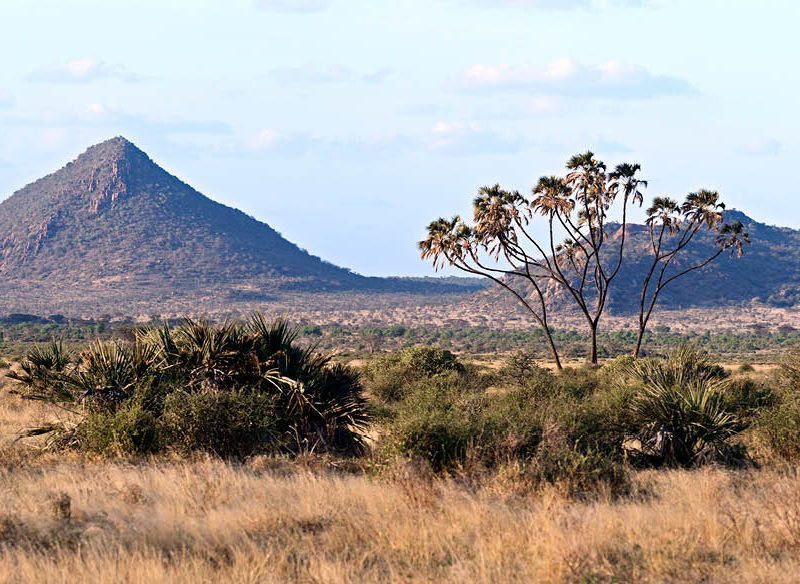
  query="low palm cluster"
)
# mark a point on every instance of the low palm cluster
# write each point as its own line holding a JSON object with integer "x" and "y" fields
{"x": 681, "y": 407}
{"x": 171, "y": 378}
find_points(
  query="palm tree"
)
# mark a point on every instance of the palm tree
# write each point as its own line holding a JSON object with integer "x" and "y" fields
{"x": 624, "y": 176}
{"x": 670, "y": 223}
{"x": 552, "y": 195}
{"x": 575, "y": 206}
{"x": 452, "y": 242}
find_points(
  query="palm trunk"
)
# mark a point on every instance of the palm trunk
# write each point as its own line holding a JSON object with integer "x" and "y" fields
{"x": 593, "y": 356}
{"x": 553, "y": 350}
{"x": 638, "y": 347}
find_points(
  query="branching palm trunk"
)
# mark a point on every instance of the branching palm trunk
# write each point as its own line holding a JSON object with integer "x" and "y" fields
{"x": 680, "y": 225}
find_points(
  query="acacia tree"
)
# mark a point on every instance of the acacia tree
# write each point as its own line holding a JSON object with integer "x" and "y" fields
{"x": 575, "y": 207}
{"x": 672, "y": 227}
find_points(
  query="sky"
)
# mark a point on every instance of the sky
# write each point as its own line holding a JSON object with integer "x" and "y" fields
{"x": 348, "y": 125}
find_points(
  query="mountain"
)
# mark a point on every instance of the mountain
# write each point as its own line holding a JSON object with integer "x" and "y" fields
{"x": 768, "y": 273}
{"x": 113, "y": 231}
{"x": 115, "y": 214}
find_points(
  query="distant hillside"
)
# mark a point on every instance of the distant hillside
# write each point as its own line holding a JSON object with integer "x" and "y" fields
{"x": 114, "y": 233}
{"x": 114, "y": 214}
{"x": 114, "y": 229}
{"x": 769, "y": 272}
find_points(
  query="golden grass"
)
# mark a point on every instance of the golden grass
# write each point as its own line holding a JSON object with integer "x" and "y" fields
{"x": 269, "y": 521}
{"x": 18, "y": 415}
{"x": 65, "y": 518}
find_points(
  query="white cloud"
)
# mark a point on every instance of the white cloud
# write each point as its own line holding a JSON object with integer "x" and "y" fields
{"x": 293, "y": 6}
{"x": 80, "y": 70}
{"x": 310, "y": 74}
{"x": 760, "y": 147}
{"x": 543, "y": 104}
{"x": 446, "y": 138}
{"x": 119, "y": 121}
{"x": 568, "y": 77}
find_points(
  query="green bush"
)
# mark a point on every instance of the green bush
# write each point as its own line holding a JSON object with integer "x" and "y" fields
{"x": 790, "y": 369}
{"x": 226, "y": 423}
{"x": 130, "y": 429}
{"x": 776, "y": 426}
{"x": 776, "y": 431}
{"x": 681, "y": 408}
{"x": 388, "y": 379}
{"x": 579, "y": 471}
{"x": 231, "y": 389}
{"x": 41, "y": 373}
{"x": 557, "y": 436}
{"x": 519, "y": 367}
{"x": 615, "y": 370}
{"x": 438, "y": 422}
{"x": 392, "y": 377}
{"x": 578, "y": 382}
{"x": 428, "y": 361}
{"x": 747, "y": 397}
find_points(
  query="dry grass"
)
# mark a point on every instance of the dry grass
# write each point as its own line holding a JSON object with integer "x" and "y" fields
{"x": 18, "y": 415}
{"x": 267, "y": 521}
{"x": 64, "y": 518}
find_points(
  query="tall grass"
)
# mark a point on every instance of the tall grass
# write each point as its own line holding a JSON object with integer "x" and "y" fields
{"x": 267, "y": 521}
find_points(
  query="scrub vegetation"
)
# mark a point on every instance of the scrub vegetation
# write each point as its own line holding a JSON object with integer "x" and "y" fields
{"x": 236, "y": 452}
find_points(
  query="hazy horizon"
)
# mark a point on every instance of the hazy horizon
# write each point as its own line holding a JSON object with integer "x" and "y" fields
{"x": 349, "y": 125}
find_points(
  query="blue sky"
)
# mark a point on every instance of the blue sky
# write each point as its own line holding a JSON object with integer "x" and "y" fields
{"x": 348, "y": 125}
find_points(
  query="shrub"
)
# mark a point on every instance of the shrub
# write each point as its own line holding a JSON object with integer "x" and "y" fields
{"x": 428, "y": 361}
{"x": 556, "y": 436}
{"x": 681, "y": 409}
{"x": 387, "y": 379}
{"x": 578, "y": 382}
{"x": 615, "y": 370}
{"x": 579, "y": 471}
{"x": 776, "y": 426}
{"x": 226, "y": 423}
{"x": 392, "y": 378}
{"x": 217, "y": 388}
{"x": 108, "y": 371}
{"x": 41, "y": 373}
{"x": 520, "y": 367}
{"x": 790, "y": 368}
{"x": 130, "y": 429}
{"x": 777, "y": 430}
{"x": 747, "y": 397}
{"x": 438, "y": 422}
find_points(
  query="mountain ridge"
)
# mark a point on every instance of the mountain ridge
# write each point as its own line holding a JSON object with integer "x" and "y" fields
{"x": 113, "y": 231}
{"x": 116, "y": 186}
{"x": 767, "y": 273}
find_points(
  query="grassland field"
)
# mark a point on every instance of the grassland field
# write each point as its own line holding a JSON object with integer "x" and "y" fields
{"x": 68, "y": 517}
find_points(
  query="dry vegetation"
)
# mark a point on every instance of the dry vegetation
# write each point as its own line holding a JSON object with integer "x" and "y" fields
{"x": 265, "y": 521}
{"x": 66, "y": 517}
